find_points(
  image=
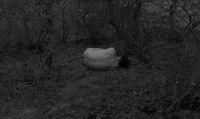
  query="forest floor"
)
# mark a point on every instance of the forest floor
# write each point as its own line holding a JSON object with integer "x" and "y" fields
{"x": 29, "y": 90}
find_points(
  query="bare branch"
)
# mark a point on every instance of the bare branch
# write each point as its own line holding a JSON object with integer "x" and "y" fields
{"x": 188, "y": 15}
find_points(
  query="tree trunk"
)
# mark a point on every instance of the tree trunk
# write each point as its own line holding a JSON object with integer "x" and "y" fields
{"x": 48, "y": 23}
{"x": 136, "y": 18}
{"x": 63, "y": 27}
{"x": 121, "y": 34}
{"x": 135, "y": 43}
{"x": 172, "y": 11}
{"x": 27, "y": 33}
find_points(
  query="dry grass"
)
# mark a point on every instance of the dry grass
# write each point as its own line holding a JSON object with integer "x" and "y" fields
{"x": 69, "y": 90}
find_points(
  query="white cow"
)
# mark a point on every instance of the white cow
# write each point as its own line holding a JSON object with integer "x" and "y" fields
{"x": 101, "y": 59}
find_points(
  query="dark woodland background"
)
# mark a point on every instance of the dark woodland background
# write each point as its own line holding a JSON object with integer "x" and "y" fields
{"x": 41, "y": 71}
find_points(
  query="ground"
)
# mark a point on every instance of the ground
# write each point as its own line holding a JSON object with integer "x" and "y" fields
{"x": 69, "y": 90}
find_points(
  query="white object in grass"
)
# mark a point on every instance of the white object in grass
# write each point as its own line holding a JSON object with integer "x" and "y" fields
{"x": 99, "y": 58}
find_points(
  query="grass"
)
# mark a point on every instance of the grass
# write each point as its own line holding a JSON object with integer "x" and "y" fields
{"x": 28, "y": 90}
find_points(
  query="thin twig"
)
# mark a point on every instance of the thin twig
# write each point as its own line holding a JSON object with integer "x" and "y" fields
{"x": 177, "y": 100}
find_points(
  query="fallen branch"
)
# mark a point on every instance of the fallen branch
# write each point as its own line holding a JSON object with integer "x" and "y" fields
{"x": 177, "y": 100}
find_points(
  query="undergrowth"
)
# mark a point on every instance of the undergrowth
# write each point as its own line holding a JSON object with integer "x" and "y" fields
{"x": 29, "y": 88}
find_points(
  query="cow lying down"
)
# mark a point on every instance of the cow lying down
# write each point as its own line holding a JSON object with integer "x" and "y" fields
{"x": 103, "y": 59}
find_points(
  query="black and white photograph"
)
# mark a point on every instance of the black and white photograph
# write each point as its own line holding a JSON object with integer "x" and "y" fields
{"x": 99, "y": 59}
